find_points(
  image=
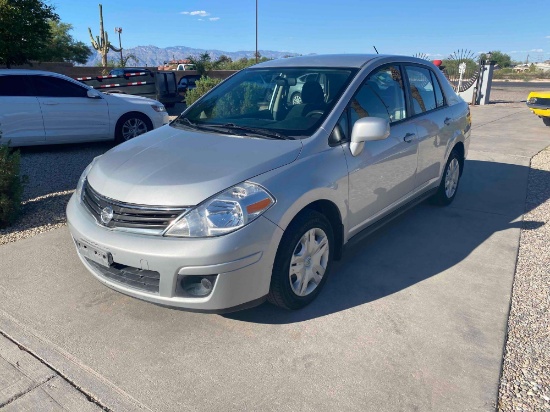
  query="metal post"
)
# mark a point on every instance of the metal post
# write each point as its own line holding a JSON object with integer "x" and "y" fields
{"x": 256, "y": 31}
{"x": 119, "y": 30}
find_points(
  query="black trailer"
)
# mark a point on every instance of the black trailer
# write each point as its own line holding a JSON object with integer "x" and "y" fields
{"x": 160, "y": 85}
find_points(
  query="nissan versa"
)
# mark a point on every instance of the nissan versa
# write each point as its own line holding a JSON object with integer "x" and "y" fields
{"x": 245, "y": 197}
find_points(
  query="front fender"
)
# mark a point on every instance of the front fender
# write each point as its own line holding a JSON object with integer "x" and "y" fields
{"x": 319, "y": 176}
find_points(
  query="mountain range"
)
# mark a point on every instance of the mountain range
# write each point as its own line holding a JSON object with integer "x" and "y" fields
{"x": 155, "y": 56}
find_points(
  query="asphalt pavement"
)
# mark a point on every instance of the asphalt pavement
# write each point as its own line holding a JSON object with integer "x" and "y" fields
{"x": 413, "y": 318}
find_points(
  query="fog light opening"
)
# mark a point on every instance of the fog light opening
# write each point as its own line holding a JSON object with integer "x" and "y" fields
{"x": 196, "y": 286}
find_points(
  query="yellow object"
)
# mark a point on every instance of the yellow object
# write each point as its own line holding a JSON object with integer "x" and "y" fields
{"x": 539, "y": 104}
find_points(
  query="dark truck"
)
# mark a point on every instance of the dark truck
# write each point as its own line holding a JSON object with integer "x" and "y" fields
{"x": 157, "y": 85}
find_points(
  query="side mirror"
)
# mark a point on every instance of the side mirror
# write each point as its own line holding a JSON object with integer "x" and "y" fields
{"x": 93, "y": 94}
{"x": 368, "y": 129}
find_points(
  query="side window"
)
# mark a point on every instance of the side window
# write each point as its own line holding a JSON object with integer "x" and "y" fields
{"x": 55, "y": 87}
{"x": 421, "y": 89}
{"x": 14, "y": 85}
{"x": 380, "y": 96}
{"x": 439, "y": 99}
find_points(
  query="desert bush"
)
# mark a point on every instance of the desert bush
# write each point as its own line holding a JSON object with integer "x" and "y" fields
{"x": 11, "y": 185}
{"x": 204, "y": 84}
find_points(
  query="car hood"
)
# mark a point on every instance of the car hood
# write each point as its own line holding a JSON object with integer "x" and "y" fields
{"x": 174, "y": 167}
{"x": 129, "y": 98}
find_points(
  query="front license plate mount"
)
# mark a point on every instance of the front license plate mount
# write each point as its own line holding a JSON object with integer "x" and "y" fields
{"x": 93, "y": 253}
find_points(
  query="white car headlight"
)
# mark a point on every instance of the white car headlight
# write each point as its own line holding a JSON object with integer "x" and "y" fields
{"x": 82, "y": 179}
{"x": 158, "y": 108}
{"x": 223, "y": 213}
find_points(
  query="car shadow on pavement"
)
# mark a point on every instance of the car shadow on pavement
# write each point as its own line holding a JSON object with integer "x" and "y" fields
{"x": 422, "y": 243}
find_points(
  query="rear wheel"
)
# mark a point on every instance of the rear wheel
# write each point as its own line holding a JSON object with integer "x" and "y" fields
{"x": 546, "y": 121}
{"x": 303, "y": 261}
{"x": 131, "y": 125}
{"x": 449, "y": 182}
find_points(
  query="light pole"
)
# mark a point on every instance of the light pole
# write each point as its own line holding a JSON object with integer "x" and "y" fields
{"x": 256, "y": 31}
{"x": 119, "y": 31}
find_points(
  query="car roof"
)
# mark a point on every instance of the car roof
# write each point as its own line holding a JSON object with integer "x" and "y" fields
{"x": 322, "y": 60}
{"x": 27, "y": 71}
{"x": 335, "y": 60}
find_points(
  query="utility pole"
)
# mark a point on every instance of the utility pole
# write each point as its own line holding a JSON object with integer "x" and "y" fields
{"x": 256, "y": 31}
{"x": 119, "y": 31}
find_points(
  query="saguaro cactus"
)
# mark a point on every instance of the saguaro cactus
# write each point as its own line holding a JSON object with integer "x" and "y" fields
{"x": 101, "y": 43}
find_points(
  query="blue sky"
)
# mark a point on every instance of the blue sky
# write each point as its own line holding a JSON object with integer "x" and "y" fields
{"x": 436, "y": 28}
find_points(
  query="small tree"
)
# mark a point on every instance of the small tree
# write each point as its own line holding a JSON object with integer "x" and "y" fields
{"x": 501, "y": 59}
{"x": 202, "y": 63}
{"x": 101, "y": 43}
{"x": 24, "y": 30}
{"x": 63, "y": 48}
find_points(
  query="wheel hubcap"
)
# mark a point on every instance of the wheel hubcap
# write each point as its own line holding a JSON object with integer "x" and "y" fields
{"x": 132, "y": 128}
{"x": 309, "y": 262}
{"x": 451, "y": 178}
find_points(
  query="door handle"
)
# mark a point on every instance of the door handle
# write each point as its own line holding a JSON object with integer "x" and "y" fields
{"x": 447, "y": 121}
{"x": 409, "y": 137}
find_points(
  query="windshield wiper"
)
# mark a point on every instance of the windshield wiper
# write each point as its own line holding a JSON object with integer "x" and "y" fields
{"x": 261, "y": 132}
{"x": 189, "y": 123}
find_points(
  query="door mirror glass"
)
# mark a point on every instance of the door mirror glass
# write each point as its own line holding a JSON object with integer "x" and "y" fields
{"x": 368, "y": 129}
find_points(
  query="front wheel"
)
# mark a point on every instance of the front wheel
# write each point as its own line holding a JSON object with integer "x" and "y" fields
{"x": 449, "y": 182}
{"x": 132, "y": 125}
{"x": 303, "y": 261}
{"x": 546, "y": 121}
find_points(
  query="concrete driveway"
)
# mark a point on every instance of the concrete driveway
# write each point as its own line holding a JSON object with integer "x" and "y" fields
{"x": 414, "y": 318}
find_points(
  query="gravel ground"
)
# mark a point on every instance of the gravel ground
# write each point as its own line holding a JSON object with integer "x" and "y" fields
{"x": 525, "y": 382}
{"x": 53, "y": 173}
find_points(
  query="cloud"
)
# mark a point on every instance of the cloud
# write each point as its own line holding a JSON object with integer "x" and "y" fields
{"x": 214, "y": 18}
{"x": 200, "y": 13}
{"x": 537, "y": 50}
{"x": 547, "y": 37}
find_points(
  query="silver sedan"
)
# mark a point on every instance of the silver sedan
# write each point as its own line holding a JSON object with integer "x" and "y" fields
{"x": 245, "y": 197}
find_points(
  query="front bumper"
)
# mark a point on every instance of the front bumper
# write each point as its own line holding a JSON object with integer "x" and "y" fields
{"x": 161, "y": 119}
{"x": 243, "y": 261}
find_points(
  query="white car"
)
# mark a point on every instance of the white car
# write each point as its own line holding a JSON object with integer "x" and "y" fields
{"x": 38, "y": 107}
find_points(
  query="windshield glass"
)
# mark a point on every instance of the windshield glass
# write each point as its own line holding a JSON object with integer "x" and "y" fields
{"x": 286, "y": 101}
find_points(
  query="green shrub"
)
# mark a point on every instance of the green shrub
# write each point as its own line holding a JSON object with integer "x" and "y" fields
{"x": 11, "y": 185}
{"x": 204, "y": 84}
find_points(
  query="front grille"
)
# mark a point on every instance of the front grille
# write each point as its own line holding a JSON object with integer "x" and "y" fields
{"x": 141, "y": 279}
{"x": 138, "y": 218}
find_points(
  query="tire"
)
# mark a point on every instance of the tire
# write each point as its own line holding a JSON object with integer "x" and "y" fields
{"x": 546, "y": 121}
{"x": 286, "y": 289}
{"x": 131, "y": 125}
{"x": 449, "y": 181}
{"x": 296, "y": 98}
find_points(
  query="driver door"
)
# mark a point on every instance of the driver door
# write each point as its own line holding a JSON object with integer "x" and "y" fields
{"x": 384, "y": 172}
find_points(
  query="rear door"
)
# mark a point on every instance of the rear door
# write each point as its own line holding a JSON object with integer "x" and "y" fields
{"x": 69, "y": 114}
{"x": 20, "y": 116}
{"x": 434, "y": 122}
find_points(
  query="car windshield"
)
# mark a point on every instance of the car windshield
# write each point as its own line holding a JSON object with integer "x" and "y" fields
{"x": 284, "y": 102}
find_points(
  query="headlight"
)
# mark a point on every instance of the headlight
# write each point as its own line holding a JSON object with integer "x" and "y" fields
{"x": 224, "y": 212}
{"x": 158, "y": 108}
{"x": 82, "y": 179}
{"x": 533, "y": 100}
